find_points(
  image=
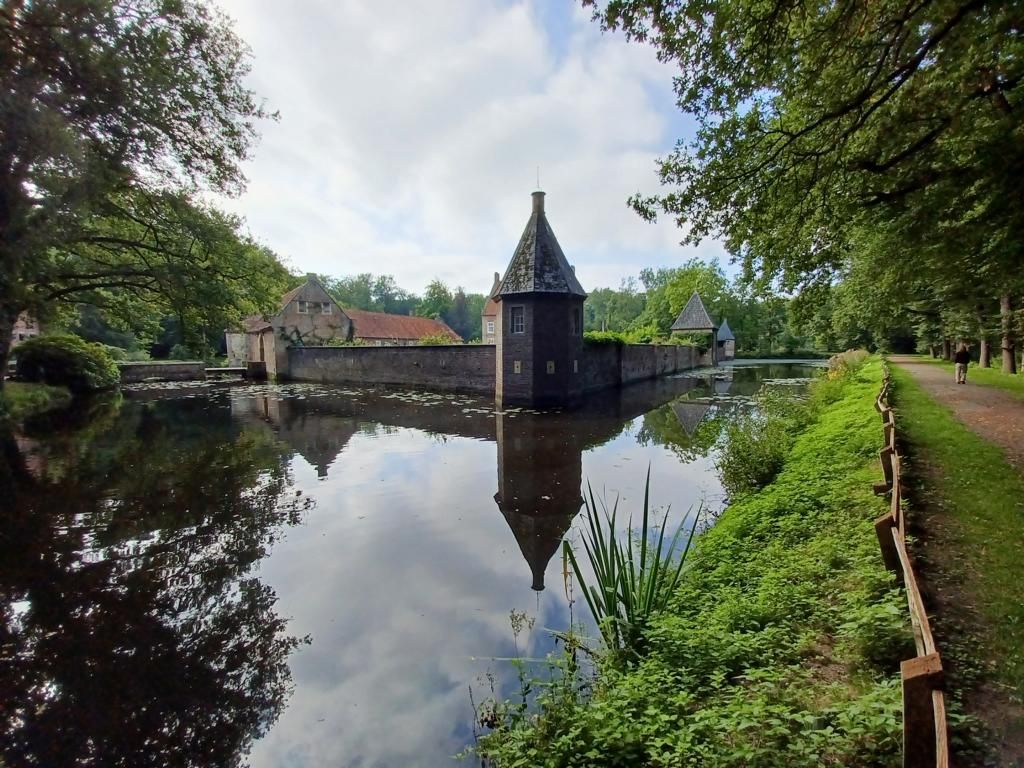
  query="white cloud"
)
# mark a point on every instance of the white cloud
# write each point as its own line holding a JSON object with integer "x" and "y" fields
{"x": 410, "y": 134}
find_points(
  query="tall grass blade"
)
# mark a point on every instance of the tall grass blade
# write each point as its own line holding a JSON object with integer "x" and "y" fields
{"x": 633, "y": 580}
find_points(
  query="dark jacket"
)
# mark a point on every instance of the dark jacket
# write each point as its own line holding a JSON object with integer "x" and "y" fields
{"x": 963, "y": 356}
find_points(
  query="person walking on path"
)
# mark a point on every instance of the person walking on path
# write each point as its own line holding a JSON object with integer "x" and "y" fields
{"x": 961, "y": 358}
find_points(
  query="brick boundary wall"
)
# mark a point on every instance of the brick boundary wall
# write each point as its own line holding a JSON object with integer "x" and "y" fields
{"x": 612, "y": 365}
{"x": 169, "y": 370}
{"x": 470, "y": 368}
{"x": 467, "y": 368}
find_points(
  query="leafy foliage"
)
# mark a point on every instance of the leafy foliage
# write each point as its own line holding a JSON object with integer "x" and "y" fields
{"x": 634, "y": 578}
{"x": 437, "y": 339}
{"x": 759, "y": 659}
{"x": 867, "y": 150}
{"x": 116, "y": 114}
{"x": 64, "y": 360}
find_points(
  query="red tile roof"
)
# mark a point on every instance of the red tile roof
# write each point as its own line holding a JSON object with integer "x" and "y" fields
{"x": 378, "y": 325}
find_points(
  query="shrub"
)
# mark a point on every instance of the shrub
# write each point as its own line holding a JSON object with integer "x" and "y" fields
{"x": 605, "y": 337}
{"x": 437, "y": 339}
{"x": 755, "y": 451}
{"x": 68, "y": 361}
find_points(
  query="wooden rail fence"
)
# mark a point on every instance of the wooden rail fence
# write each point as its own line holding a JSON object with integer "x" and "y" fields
{"x": 925, "y": 731}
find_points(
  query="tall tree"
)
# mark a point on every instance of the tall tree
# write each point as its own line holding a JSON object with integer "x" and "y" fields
{"x": 820, "y": 122}
{"x": 436, "y": 302}
{"x": 110, "y": 107}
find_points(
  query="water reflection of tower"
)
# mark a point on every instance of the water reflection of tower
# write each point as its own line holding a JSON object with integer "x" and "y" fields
{"x": 540, "y": 470}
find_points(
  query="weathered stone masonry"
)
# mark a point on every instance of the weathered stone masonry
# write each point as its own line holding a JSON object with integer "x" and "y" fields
{"x": 470, "y": 368}
{"x": 458, "y": 368}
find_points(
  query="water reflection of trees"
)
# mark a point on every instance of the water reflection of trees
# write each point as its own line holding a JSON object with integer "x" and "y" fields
{"x": 134, "y": 631}
{"x": 688, "y": 429}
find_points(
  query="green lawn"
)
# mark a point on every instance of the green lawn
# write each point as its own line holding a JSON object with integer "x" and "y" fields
{"x": 981, "y": 498}
{"x": 989, "y": 377}
{"x": 21, "y": 400}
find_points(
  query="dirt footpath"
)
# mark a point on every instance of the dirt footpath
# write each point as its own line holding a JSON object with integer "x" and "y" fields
{"x": 994, "y": 414}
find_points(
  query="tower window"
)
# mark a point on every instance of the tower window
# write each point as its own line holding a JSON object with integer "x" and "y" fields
{"x": 574, "y": 321}
{"x": 518, "y": 320}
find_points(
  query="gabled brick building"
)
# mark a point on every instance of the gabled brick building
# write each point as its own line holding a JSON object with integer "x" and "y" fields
{"x": 309, "y": 317}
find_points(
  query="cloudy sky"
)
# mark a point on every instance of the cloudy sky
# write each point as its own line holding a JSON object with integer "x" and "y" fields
{"x": 411, "y": 133}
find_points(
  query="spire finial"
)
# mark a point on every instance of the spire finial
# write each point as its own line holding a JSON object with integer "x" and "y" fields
{"x": 538, "y": 177}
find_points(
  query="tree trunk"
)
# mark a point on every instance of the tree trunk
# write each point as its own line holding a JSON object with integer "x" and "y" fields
{"x": 984, "y": 354}
{"x": 947, "y": 349}
{"x": 934, "y": 349}
{"x": 1006, "y": 323}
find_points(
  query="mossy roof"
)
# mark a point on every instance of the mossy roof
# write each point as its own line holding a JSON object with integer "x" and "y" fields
{"x": 538, "y": 264}
{"x": 694, "y": 317}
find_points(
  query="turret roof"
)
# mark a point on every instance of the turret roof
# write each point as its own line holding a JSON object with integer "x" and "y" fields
{"x": 725, "y": 332}
{"x": 694, "y": 316}
{"x": 538, "y": 264}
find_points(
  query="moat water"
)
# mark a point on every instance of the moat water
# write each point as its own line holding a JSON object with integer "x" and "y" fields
{"x": 302, "y": 575}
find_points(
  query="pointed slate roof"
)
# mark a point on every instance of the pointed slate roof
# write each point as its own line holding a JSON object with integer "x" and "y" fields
{"x": 690, "y": 415}
{"x": 694, "y": 316}
{"x": 725, "y": 332}
{"x": 538, "y": 264}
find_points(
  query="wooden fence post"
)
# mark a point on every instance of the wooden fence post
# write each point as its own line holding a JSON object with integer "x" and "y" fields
{"x": 891, "y": 558}
{"x": 921, "y": 675}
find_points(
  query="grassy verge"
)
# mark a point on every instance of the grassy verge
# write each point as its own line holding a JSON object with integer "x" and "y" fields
{"x": 972, "y": 501}
{"x": 21, "y": 400}
{"x": 989, "y": 377}
{"x": 781, "y": 644}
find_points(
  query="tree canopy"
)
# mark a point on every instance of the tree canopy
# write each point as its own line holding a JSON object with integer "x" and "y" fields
{"x": 118, "y": 114}
{"x": 885, "y": 135}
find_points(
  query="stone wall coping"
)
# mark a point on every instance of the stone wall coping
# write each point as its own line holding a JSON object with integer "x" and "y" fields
{"x": 394, "y": 347}
{"x": 143, "y": 363}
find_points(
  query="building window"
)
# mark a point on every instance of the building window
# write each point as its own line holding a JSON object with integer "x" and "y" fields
{"x": 518, "y": 320}
{"x": 325, "y": 308}
{"x": 490, "y": 327}
{"x": 574, "y": 321}
{"x": 303, "y": 307}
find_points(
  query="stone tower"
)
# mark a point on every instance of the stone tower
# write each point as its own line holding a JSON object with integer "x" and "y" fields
{"x": 540, "y": 321}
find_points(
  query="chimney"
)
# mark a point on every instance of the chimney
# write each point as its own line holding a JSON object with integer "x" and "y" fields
{"x": 538, "y": 201}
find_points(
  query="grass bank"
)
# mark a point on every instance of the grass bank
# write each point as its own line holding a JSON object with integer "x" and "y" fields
{"x": 989, "y": 377}
{"x": 21, "y": 400}
{"x": 969, "y": 503}
{"x": 781, "y": 645}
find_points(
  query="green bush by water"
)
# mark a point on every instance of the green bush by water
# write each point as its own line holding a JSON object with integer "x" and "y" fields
{"x": 780, "y": 645}
{"x": 634, "y": 575}
{"x": 65, "y": 360}
{"x": 21, "y": 399}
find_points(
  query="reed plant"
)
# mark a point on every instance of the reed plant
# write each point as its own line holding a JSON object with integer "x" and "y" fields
{"x": 634, "y": 575}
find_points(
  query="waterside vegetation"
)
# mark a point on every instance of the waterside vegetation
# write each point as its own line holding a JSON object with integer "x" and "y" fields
{"x": 21, "y": 400}
{"x": 634, "y": 578}
{"x": 781, "y": 643}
